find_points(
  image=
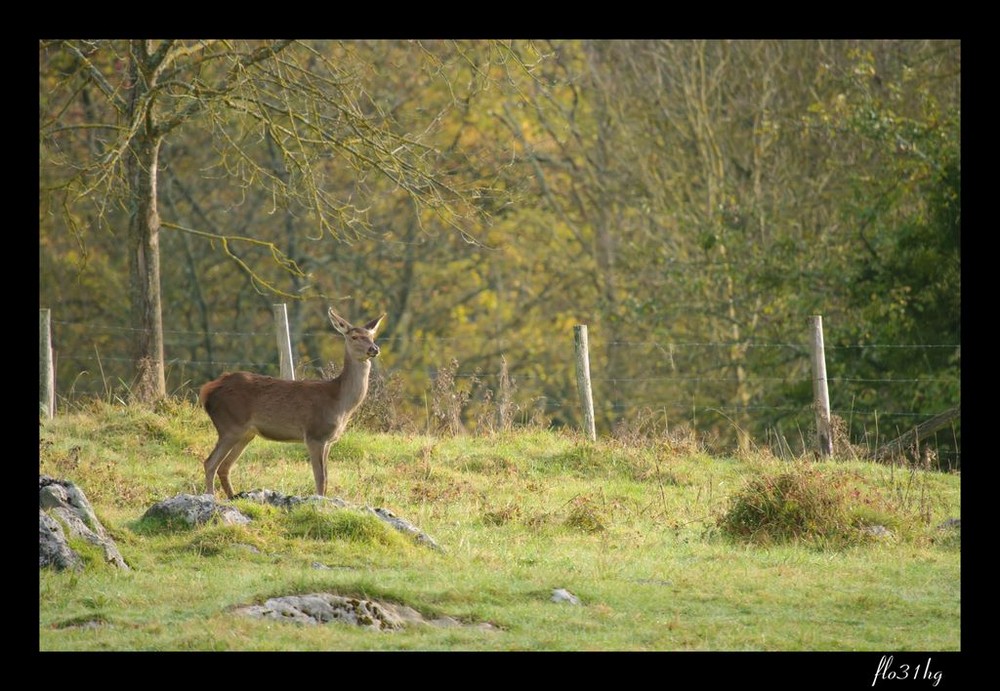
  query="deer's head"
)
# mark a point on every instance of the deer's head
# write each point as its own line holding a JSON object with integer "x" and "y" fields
{"x": 360, "y": 340}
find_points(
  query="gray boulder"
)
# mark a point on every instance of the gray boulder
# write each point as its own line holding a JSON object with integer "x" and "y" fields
{"x": 563, "y": 595}
{"x": 324, "y": 608}
{"x": 53, "y": 549}
{"x": 192, "y": 510}
{"x": 879, "y": 532}
{"x": 404, "y": 526}
{"x": 951, "y": 524}
{"x": 62, "y": 508}
{"x": 288, "y": 501}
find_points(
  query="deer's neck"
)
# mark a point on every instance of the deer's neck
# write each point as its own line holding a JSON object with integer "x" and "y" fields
{"x": 354, "y": 382}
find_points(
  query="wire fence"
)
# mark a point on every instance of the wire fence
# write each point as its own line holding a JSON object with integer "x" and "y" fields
{"x": 668, "y": 386}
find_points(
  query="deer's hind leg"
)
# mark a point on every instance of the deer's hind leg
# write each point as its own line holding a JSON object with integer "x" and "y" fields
{"x": 225, "y": 453}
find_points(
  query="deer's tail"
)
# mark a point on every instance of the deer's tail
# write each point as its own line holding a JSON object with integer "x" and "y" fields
{"x": 207, "y": 390}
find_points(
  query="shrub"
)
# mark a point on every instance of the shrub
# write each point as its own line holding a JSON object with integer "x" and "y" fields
{"x": 805, "y": 504}
{"x": 586, "y": 515}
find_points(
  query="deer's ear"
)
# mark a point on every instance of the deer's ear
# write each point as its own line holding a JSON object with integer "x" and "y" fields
{"x": 374, "y": 324}
{"x": 339, "y": 323}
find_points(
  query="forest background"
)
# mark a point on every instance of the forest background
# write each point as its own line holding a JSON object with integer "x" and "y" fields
{"x": 692, "y": 202}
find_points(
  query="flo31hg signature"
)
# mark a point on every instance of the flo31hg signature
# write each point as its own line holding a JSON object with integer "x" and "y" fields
{"x": 888, "y": 672}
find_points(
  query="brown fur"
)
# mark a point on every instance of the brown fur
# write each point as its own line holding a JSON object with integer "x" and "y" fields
{"x": 207, "y": 390}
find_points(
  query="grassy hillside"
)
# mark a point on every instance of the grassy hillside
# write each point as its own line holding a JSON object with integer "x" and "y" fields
{"x": 667, "y": 548}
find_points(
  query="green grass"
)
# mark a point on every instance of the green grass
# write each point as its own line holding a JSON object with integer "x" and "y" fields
{"x": 640, "y": 532}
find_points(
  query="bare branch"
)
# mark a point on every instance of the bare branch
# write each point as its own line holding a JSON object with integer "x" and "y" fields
{"x": 97, "y": 78}
{"x": 279, "y": 257}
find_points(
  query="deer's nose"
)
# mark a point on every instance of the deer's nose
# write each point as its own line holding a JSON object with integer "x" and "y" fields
{"x": 373, "y": 351}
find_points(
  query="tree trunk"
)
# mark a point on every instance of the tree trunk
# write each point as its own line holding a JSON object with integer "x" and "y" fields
{"x": 149, "y": 382}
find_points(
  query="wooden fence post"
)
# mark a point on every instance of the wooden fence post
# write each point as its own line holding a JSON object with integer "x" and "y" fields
{"x": 821, "y": 394}
{"x": 284, "y": 341}
{"x": 583, "y": 379}
{"x": 47, "y": 377}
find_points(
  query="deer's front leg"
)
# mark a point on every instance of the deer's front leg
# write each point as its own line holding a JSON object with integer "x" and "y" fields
{"x": 317, "y": 456}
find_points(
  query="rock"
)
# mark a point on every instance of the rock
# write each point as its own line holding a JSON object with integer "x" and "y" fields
{"x": 563, "y": 595}
{"x": 53, "y": 550}
{"x": 193, "y": 510}
{"x": 878, "y": 531}
{"x": 951, "y": 524}
{"x": 405, "y": 526}
{"x": 287, "y": 501}
{"x": 949, "y": 532}
{"x": 61, "y": 504}
{"x": 323, "y": 608}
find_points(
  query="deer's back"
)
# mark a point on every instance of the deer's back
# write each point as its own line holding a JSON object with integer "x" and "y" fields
{"x": 278, "y": 409}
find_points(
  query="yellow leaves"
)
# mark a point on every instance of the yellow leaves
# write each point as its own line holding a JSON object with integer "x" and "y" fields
{"x": 489, "y": 301}
{"x": 460, "y": 314}
{"x": 864, "y": 69}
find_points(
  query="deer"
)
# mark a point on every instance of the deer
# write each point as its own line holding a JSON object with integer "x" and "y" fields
{"x": 243, "y": 405}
